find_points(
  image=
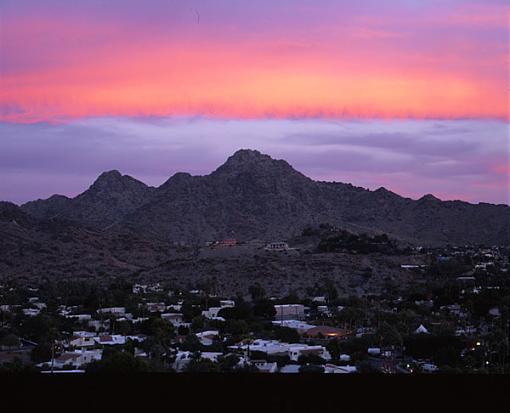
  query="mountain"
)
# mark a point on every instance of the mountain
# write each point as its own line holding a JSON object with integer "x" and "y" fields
{"x": 109, "y": 199}
{"x": 252, "y": 196}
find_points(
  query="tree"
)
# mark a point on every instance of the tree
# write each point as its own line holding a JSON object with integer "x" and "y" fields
{"x": 228, "y": 363}
{"x": 287, "y": 335}
{"x": 201, "y": 366}
{"x": 257, "y": 292}
{"x": 118, "y": 362}
{"x": 310, "y": 359}
{"x": 264, "y": 309}
{"x": 191, "y": 343}
{"x": 41, "y": 352}
{"x": 10, "y": 341}
{"x": 389, "y": 335}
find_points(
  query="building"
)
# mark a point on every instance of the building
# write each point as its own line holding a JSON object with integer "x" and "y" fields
{"x": 112, "y": 310}
{"x": 264, "y": 367}
{"x": 230, "y": 242}
{"x": 289, "y": 312}
{"x": 77, "y": 358}
{"x": 297, "y": 350}
{"x": 207, "y": 337}
{"x": 297, "y": 325}
{"x": 277, "y": 246}
{"x": 156, "y": 307}
{"x": 175, "y": 318}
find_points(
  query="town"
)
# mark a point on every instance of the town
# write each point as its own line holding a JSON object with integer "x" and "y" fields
{"x": 456, "y": 320}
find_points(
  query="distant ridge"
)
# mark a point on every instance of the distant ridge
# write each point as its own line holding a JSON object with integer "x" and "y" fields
{"x": 255, "y": 196}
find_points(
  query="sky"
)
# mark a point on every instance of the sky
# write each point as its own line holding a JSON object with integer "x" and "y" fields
{"x": 411, "y": 95}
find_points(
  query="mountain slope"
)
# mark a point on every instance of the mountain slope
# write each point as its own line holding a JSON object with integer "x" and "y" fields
{"x": 109, "y": 199}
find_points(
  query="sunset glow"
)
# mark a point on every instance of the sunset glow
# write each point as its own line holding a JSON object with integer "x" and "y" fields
{"x": 225, "y": 60}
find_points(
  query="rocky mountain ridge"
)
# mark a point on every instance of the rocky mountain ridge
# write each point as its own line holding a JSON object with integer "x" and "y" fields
{"x": 252, "y": 196}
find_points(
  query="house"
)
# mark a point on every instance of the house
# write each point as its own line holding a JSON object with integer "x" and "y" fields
{"x": 140, "y": 353}
{"x": 324, "y": 310}
{"x": 39, "y": 305}
{"x": 31, "y": 312}
{"x": 156, "y": 307}
{"x": 112, "y": 310}
{"x": 77, "y": 358}
{"x": 175, "y": 318}
{"x": 295, "y": 351}
{"x": 421, "y": 330}
{"x": 211, "y": 313}
{"x": 139, "y": 319}
{"x": 270, "y": 347}
{"x": 81, "y": 341}
{"x": 374, "y": 351}
{"x": 289, "y": 312}
{"x": 277, "y": 246}
{"x": 182, "y": 358}
{"x": 495, "y": 312}
{"x": 110, "y": 340}
{"x": 297, "y": 325}
{"x": 230, "y": 242}
{"x": 331, "y": 368}
{"x": 265, "y": 367}
{"x": 207, "y": 337}
{"x": 290, "y": 368}
{"x": 98, "y": 324}
{"x": 80, "y": 317}
{"x": 227, "y": 303}
{"x": 429, "y": 367}
{"x": 211, "y": 355}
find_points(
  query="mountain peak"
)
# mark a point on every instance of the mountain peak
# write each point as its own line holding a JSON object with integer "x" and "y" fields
{"x": 429, "y": 197}
{"x": 109, "y": 175}
{"x": 250, "y": 160}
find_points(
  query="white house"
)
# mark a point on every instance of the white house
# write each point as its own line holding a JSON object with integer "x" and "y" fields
{"x": 82, "y": 342}
{"x": 277, "y": 246}
{"x": 175, "y": 318}
{"x": 275, "y": 347}
{"x": 182, "y": 358}
{"x": 156, "y": 307}
{"x": 112, "y": 310}
{"x": 207, "y": 337}
{"x": 211, "y": 355}
{"x": 295, "y": 351}
{"x": 77, "y": 358}
{"x": 80, "y": 317}
{"x": 265, "y": 367}
{"x": 31, "y": 312}
{"x": 110, "y": 340}
{"x": 227, "y": 303}
{"x": 290, "y": 368}
{"x": 212, "y": 312}
{"x": 297, "y": 325}
{"x": 421, "y": 330}
{"x": 331, "y": 368}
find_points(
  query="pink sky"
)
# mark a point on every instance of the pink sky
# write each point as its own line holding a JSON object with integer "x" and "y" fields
{"x": 226, "y": 59}
{"x": 270, "y": 67}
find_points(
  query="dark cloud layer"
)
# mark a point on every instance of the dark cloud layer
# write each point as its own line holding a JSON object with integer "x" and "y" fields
{"x": 453, "y": 159}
